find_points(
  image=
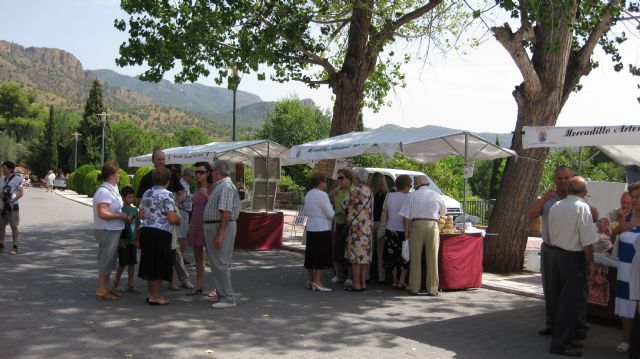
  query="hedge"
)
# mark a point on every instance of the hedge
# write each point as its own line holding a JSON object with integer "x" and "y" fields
{"x": 137, "y": 177}
{"x": 79, "y": 175}
{"x": 91, "y": 183}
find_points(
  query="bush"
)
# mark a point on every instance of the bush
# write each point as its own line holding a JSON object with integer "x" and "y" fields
{"x": 124, "y": 179}
{"x": 137, "y": 177}
{"x": 79, "y": 175}
{"x": 70, "y": 179}
{"x": 91, "y": 183}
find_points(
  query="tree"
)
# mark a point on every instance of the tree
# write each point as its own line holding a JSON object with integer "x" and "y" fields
{"x": 20, "y": 117}
{"x": 190, "y": 136}
{"x": 552, "y": 48}
{"x": 497, "y": 167}
{"x": 130, "y": 140}
{"x": 291, "y": 123}
{"x": 50, "y": 138}
{"x": 91, "y": 128}
{"x": 326, "y": 42}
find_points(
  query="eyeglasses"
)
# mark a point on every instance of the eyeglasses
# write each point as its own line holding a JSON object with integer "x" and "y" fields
{"x": 200, "y": 172}
{"x": 340, "y": 178}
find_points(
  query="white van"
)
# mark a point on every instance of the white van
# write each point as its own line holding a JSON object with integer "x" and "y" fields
{"x": 453, "y": 207}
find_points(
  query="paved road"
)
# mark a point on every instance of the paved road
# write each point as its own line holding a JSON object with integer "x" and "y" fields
{"x": 48, "y": 310}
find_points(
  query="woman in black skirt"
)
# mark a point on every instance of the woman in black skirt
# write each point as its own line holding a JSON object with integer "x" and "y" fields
{"x": 394, "y": 232}
{"x": 158, "y": 214}
{"x": 319, "y": 212}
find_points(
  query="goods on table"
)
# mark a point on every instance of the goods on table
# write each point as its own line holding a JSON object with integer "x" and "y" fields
{"x": 447, "y": 226}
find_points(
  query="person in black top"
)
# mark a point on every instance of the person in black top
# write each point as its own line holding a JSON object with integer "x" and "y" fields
{"x": 379, "y": 189}
{"x": 158, "y": 158}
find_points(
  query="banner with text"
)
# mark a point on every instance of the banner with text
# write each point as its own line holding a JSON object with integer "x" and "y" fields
{"x": 551, "y": 136}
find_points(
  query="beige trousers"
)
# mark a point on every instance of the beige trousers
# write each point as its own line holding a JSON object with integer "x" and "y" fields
{"x": 424, "y": 236}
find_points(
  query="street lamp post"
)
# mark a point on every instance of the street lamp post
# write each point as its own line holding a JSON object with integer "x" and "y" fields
{"x": 103, "y": 119}
{"x": 75, "y": 152}
{"x": 233, "y": 83}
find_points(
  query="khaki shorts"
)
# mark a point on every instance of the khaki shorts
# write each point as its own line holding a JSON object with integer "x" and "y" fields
{"x": 12, "y": 218}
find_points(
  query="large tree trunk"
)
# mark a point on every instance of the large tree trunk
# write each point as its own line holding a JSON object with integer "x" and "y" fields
{"x": 349, "y": 95}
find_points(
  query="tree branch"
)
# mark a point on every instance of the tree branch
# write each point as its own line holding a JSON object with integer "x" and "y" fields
{"x": 311, "y": 57}
{"x": 415, "y": 14}
{"x": 579, "y": 64}
{"x": 512, "y": 42}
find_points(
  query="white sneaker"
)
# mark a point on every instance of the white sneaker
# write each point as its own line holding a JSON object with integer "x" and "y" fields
{"x": 348, "y": 283}
{"x": 622, "y": 347}
{"x": 335, "y": 280}
{"x": 223, "y": 305}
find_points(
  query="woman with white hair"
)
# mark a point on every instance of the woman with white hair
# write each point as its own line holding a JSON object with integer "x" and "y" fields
{"x": 359, "y": 209}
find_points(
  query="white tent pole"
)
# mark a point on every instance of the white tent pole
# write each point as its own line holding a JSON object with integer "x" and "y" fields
{"x": 464, "y": 189}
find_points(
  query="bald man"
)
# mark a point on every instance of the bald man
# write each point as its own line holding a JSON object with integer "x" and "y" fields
{"x": 571, "y": 237}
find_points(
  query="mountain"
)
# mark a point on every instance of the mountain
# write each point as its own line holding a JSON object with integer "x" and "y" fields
{"x": 206, "y": 101}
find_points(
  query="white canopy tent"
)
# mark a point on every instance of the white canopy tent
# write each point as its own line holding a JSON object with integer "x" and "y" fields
{"x": 419, "y": 144}
{"x": 620, "y": 143}
{"x": 240, "y": 151}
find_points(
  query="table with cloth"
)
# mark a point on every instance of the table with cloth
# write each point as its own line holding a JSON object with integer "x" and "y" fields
{"x": 259, "y": 230}
{"x": 460, "y": 260}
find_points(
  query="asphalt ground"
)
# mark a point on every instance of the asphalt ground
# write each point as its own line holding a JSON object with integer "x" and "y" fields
{"x": 48, "y": 309}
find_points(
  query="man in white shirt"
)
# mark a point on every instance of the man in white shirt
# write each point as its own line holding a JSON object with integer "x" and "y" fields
{"x": 421, "y": 211}
{"x": 571, "y": 238}
{"x": 11, "y": 185}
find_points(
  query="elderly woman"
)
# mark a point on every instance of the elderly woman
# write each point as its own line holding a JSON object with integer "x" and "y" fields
{"x": 195, "y": 235}
{"x": 108, "y": 222}
{"x": 628, "y": 233}
{"x": 158, "y": 214}
{"x": 359, "y": 208}
{"x": 379, "y": 189}
{"x": 338, "y": 196}
{"x": 394, "y": 232}
{"x": 319, "y": 212}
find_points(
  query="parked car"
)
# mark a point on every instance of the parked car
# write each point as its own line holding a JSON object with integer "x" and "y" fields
{"x": 60, "y": 183}
{"x": 454, "y": 208}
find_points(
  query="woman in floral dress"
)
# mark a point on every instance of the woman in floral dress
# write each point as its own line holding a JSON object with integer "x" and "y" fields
{"x": 359, "y": 208}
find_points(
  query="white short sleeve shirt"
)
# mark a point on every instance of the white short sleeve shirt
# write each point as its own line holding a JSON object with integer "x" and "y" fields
{"x": 107, "y": 193}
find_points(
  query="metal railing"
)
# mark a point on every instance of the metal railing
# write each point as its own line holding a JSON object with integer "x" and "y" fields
{"x": 480, "y": 208}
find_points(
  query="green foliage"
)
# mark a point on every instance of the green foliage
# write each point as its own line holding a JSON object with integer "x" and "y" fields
{"x": 480, "y": 182}
{"x": 90, "y": 183}
{"x": 124, "y": 179}
{"x": 137, "y": 177}
{"x": 71, "y": 182}
{"x": 289, "y": 36}
{"x": 80, "y": 174}
{"x": 292, "y": 123}
{"x": 595, "y": 166}
{"x": 20, "y": 117}
{"x": 91, "y": 128}
{"x": 189, "y": 136}
{"x": 50, "y": 138}
{"x": 12, "y": 150}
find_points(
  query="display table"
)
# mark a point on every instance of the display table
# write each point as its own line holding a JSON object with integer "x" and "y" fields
{"x": 460, "y": 261}
{"x": 259, "y": 230}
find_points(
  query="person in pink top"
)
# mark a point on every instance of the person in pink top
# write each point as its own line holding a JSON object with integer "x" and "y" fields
{"x": 195, "y": 234}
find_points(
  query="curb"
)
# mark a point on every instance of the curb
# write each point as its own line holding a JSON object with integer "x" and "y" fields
{"x": 71, "y": 198}
{"x": 504, "y": 289}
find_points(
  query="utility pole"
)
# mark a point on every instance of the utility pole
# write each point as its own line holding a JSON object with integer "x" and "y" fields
{"x": 103, "y": 119}
{"x": 75, "y": 152}
{"x": 233, "y": 82}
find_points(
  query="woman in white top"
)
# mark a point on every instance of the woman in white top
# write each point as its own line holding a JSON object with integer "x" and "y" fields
{"x": 108, "y": 223}
{"x": 319, "y": 212}
{"x": 394, "y": 231}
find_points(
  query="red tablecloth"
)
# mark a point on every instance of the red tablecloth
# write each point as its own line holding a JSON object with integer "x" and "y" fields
{"x": 460, "y": 261}
{"x": 259, "y": 230}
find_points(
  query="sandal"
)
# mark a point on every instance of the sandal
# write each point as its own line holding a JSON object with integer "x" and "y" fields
{"x": 106, "y": 296}
{"x": 133, "y": 290}
{"x": 213, "y": 295}
{"x": 195, "y": 292}
{"x": 115, "y": 292}
{"x": 159, "y": 301}
{"x": 402, "y": 286}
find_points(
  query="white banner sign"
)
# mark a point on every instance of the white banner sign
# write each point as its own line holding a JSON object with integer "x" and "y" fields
{"x": 551, "y": 136}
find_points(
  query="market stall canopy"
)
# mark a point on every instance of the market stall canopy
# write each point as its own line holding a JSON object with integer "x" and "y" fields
{"x": 420, "y": 144}
{"x": 620, "y": 143}
{"x": 240, "y": 151}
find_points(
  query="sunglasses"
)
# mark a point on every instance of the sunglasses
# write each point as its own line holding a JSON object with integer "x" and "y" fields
{"x": 200, "y": 172}
{"x": 340, "y": 178}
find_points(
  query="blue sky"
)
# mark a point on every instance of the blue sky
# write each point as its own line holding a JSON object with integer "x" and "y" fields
{"x": 471, "y": 92}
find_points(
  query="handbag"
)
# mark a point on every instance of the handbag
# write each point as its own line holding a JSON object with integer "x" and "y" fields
{"x": 406, "y": 255}
{"x": 598, "y": 289}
